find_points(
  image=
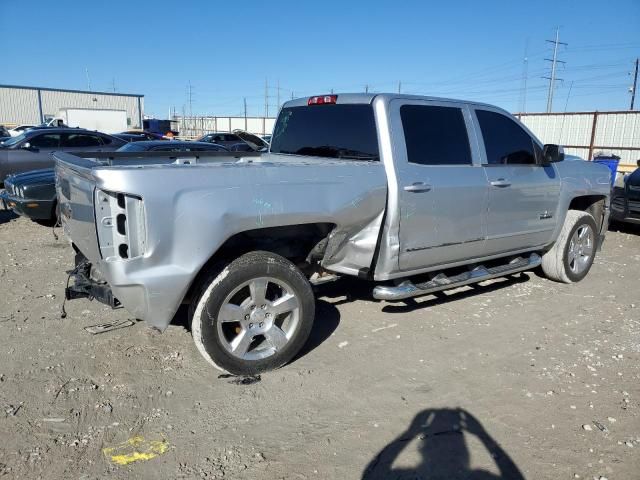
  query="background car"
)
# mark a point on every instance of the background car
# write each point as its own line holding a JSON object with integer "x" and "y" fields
{"x": 32, "y": 194}
{"x": 625, "y": 198}
{"x": 138, "y": 136}
{"x": 4, "y": 132}
{"x": 172, "y": 146}
{"x": 32, "y": 149}
{"x": 14, "y": 132}
{"x": 225, "y": 139}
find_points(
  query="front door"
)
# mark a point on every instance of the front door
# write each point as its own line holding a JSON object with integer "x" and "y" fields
{"x": 523, "y": 194}
{"x": 442, "y": 191}
{"x": 36, "y": 156}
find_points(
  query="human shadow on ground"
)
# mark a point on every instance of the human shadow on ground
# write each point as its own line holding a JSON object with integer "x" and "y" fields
{"x": 444, "y": 453}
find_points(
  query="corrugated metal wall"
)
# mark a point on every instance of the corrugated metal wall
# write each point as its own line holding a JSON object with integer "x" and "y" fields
{"x": 615, "y": 132}
{"x": 21, "y": 105}
{"x": 193, "y": 127}
{"x": 18, "y": 106}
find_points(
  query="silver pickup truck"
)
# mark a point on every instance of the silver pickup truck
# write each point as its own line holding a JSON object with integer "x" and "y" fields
{"x": 418, "y": 194}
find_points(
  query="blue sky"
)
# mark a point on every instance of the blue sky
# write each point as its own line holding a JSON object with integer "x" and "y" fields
{"x": 461, "y": 49}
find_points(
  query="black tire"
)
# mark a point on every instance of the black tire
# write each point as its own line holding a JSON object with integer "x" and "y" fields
{"x": 214, "y": 338}
{"x": 557, "y": 263}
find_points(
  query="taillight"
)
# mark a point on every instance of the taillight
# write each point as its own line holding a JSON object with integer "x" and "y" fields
{"x": 322, "y": 100}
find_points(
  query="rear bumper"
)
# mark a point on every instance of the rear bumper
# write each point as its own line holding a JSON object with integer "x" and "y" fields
{"x": 35, "y": 209}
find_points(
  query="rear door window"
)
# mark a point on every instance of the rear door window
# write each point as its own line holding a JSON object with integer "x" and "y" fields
{"x": 435, "y": 135}
{"x": 49, "y": 140}
{"x": 505, "y": 142}
{"x": 345, "y": 131}
{"x": 82, "y": 140}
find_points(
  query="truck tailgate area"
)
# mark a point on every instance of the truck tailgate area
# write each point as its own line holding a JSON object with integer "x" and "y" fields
{"x": 75, "y": 188}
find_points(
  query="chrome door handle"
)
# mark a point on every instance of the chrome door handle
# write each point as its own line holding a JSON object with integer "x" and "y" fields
{"x": 501, "y": 183}
{"x": 417, "y": 187}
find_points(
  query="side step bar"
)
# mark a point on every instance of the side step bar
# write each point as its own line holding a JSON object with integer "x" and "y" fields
{"x": 407, "y": 289}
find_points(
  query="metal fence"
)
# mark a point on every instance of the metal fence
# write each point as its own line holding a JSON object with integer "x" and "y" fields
{"x": 196, "y": 126}
{"x": 587, "y": 133}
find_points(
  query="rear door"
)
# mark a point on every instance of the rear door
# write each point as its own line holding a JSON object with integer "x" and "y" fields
{"x": 523, "y": 194}
{"x": 37, "y": 156}
{"x": 441, "y": 186}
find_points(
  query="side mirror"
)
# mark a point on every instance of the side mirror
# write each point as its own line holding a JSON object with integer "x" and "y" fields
{"x": 552, "y": 153}
{"x": 638, "y": 163}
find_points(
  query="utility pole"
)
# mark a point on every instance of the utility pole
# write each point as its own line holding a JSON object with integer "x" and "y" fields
{"x": 113, "y": 84}
{"x": 366, "y": 89}
{"x": 552, "y": 79}
{"x": 190, "y": 94}
{"x": 244, "y": 99}
{"x": 278, "y": 94}
{"x": 400, "y": 87}
{"x": 86, "y": 71}
{"x": 635, "y": 84}
{"x": 266, "y": 98}
{"x": 525, "y": 75}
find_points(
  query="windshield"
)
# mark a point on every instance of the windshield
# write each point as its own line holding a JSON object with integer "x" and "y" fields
{"x": 336, "y": 131}
{"x": 13, "y": 140}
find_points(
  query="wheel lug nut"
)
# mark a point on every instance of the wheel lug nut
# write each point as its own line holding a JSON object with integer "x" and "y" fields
{"x": 261, "y": 324}
{"x": 268, "y": 315}
{"x": 246, "y": 317}
{"x": 251, "y": 325}
{"x": 263, "y": 307}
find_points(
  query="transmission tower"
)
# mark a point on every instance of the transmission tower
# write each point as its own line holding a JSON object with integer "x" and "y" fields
{"x": 554, "y": 61}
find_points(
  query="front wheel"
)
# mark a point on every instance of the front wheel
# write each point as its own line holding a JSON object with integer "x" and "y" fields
{"x": 571, "y": 257}
{"x": 254, "y": 315}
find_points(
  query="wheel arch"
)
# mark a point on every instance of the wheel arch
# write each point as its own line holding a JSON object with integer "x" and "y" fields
{"x": 592, "y": 204}
{"x": 293, "y": 242}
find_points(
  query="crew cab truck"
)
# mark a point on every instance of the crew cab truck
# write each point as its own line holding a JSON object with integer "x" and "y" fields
{"x": 417, "y": 194}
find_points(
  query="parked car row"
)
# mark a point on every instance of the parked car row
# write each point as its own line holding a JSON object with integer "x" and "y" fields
{"x": 33, "y": 194}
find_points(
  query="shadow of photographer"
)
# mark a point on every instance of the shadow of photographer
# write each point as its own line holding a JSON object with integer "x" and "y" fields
{"x": 444, "y": 453}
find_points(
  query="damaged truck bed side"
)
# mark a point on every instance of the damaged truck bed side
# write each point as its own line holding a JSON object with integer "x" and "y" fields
{"x": 419, "y": 194}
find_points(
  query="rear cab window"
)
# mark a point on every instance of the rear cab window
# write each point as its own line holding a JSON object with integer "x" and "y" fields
{"x": 344, "y": 131}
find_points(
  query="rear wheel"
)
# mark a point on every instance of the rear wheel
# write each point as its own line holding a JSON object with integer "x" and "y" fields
{"x": 254, "y": 315}
{"x": 571, "y": 257}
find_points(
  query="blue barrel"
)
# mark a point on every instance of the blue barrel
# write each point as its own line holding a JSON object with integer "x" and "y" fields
{"x": 612, "y": 163}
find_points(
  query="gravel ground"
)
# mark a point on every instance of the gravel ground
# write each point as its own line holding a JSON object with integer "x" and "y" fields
{"x": 517, "y": 378}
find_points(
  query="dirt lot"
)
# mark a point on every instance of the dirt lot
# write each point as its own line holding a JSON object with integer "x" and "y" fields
{"x": 518, "y": 378}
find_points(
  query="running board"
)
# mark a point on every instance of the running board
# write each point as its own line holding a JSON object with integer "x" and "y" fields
{"x": 407, "y": 289}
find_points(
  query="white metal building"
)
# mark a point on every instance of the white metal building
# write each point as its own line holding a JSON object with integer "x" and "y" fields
{"x": 33, "y": 105}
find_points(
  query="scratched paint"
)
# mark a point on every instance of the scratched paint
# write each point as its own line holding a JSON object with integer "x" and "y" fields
{"x": 135, "y": 449}
{"x": 263, "y": 207}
